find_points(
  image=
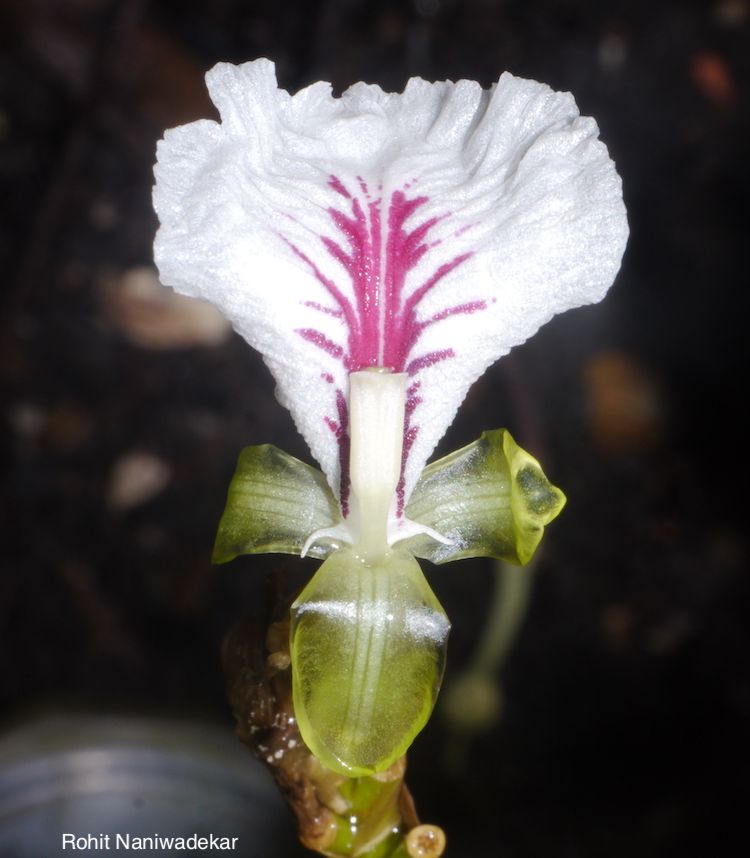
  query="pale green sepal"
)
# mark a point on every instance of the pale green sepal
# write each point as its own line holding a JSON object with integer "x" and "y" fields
{"x": 273, "y": 505}
{"x": 368, "y": 645}
{"x": 491, "y": 499}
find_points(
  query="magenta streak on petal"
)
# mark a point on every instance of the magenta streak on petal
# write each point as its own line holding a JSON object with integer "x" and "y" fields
{"x": 428, "y": 359}
{"x": 340, "y": 429}
{"x": 335, "y": 183}
{"x": 460, "y": 309}
{"x": 322, "y": 342}
{"x": 343, "y": 302}
{"x": 381, "y": 322}
{"x": 410, "y": 433}
{"x": 410, "y": 328}
{"x": 362, "y": 264}
{"x": 329, "y": 311}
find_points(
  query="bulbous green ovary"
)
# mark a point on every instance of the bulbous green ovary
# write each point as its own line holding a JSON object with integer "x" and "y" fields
{"x": 368, "y": 646}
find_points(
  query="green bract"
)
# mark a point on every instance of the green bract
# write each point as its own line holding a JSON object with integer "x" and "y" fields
{"x": 368, "y": 635}
{"x": 274, "y": 503}
{"x": 368, "y": 644}
{"x": 491, "y": 499}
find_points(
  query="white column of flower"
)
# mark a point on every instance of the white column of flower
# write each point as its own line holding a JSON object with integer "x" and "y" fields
{"x": 377, "y": 400}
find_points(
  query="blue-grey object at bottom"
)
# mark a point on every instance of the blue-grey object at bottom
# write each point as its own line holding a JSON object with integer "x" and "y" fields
{"x": 139, "y": 778}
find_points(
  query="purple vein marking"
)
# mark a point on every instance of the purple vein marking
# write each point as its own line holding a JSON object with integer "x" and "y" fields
{"x": 381, "y": 322}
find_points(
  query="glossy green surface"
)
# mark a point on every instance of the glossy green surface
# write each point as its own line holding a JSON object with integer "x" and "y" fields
{"x": 368, "y": 648}
{"x": 490, "y": 498}
{"x": 273, "y": 504}
{"x": 371, "y": 825}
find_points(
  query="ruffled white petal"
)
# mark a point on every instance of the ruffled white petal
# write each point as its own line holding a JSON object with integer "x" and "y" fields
{"x": 429, "y": 231}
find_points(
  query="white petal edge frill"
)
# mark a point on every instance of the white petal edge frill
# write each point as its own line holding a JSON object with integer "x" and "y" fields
{"x": 430, "y": 231}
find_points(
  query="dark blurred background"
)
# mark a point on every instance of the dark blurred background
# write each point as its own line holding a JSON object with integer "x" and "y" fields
{"x": 627, "y": 696}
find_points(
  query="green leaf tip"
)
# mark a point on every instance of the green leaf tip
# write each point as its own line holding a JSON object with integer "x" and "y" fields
{"x": 490, "y": 498}
{"x": 273, "y": 504}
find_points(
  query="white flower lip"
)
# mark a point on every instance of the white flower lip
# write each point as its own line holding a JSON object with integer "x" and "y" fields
{"x": 428, "y": 232}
